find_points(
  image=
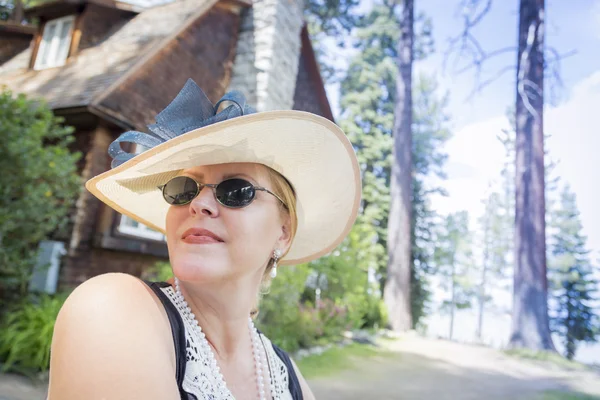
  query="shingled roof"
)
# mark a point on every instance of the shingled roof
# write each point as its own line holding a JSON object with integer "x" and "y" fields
{"x": 95, "y": 69}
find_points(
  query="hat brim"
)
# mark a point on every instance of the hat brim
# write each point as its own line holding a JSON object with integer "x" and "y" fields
{"x": 313, "y": 153}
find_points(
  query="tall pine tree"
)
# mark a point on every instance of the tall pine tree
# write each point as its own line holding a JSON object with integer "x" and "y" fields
{"x": 368, "y": 94}
{"x": 454, "y": 261}
{"x": 530, "y": 308}
{"x": 573, "y": 286}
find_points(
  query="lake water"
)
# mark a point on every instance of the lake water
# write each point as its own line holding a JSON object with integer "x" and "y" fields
{"x": 496, "y": 332}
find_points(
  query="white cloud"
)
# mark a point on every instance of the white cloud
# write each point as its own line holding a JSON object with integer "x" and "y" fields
{"x": 474, "y": 162}
{"x": 475, "y": 157}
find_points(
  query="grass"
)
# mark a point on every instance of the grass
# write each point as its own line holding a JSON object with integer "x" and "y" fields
{"x": 337, "y": 359}
{"x": 557, "y": 395}
{"x": 547, "y": 357}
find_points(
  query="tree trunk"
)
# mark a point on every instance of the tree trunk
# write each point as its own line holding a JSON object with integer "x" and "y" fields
{"x": 481, "y": 296}
{"x": 530, "y": 327}
{"x": 397, "y": 288}
{"x": 18, "y": 13}
{"x": 453, "y": 300}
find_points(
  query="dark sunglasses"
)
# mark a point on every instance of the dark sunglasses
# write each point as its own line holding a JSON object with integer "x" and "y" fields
{"x": 232, "y": 193}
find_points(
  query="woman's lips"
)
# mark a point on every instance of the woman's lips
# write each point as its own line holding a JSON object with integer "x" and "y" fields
{"x": 192, "y": 239}
{"x": 200, "y": 236}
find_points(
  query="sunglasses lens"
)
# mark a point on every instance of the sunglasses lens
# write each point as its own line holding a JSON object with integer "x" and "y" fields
{"x": 180, "y": 190}
{"x": 235, "y": 193}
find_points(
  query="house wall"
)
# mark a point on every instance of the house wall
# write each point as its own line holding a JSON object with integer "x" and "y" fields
{"x": 203, "y": 52}
{"x": 99, "y": 261}
{"x": 11, "y": 45}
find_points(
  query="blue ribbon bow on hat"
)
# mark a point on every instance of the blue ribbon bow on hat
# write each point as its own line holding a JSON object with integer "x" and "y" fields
{"x": 190, "y": 110}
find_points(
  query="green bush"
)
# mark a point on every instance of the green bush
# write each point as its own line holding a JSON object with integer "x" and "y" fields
{"x": 334, "y": 319}
{"x": 26, "y": 333}
{"x": 559, "y": 395}
{"x": 38, "y": 186}
{"x": 376, "y": 314}
{"x": 280, "y": 316}
{"x": 159, "y": 272}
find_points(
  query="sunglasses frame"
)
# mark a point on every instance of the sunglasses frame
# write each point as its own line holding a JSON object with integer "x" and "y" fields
{"x": 213, "y": 186}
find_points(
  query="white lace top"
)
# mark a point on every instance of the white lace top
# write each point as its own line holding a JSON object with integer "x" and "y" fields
{"x": 198, "y": 379}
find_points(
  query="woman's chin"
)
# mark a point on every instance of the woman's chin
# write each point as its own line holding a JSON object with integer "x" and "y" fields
{"x": 193, "y": 271}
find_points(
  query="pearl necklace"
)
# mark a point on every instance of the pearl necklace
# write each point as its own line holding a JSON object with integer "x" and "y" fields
{"x": 217, "y": 375}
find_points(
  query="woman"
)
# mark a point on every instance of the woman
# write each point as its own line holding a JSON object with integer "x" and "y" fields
{"x": 238, "y": 194}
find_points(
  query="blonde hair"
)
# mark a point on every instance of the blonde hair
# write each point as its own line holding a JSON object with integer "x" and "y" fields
{"x": 282, "y": 188}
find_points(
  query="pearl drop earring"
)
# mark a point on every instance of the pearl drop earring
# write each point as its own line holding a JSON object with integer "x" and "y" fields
{"x": 276, "y": 257}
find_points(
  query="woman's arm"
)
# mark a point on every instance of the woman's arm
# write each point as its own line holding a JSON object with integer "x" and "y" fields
{"x": 307, "y": 394}
{"x": 111, "y": 341}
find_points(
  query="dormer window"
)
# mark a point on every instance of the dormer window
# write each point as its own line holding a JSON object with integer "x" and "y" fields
{"x": 55, "y": 43}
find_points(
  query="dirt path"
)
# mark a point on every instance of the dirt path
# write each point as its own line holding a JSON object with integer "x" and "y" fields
{"x": 420, "y": 369}
{"x": 437, "y": 370}
{"x": 15, "y": 387}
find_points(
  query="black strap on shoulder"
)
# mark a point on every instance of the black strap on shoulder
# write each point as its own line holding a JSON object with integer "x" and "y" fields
{"x": 294, "y": 383}
{"x": 178, "y": 334}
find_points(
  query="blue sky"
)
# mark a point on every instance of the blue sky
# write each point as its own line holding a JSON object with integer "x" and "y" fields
{"x": 475, "y": 155}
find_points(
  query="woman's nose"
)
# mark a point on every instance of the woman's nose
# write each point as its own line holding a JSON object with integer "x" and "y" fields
{"x": 205, "y": 203}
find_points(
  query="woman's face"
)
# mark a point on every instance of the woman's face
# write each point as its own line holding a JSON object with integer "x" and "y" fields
{"x": 246, "y": 236}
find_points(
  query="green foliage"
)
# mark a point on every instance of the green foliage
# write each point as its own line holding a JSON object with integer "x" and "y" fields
{"x": 430, "y": 133}
{"x": 572, "y": 282}
{"x": 330, "y": 21}
{"x": 368, "y": 95}
{"x": 343, "y": 275}
{"x": 38, "y": 186}
{"x": 376, "y": 313}
{"x": 331, "y": 17}
{"x": 159, "y": 272}
{"x": 559, "y": 395}
{"x": 454, "y": 262}
{"x": 26, "y": 333}
{"x": 280, "y": 316}
{"x": 315, "y": 303}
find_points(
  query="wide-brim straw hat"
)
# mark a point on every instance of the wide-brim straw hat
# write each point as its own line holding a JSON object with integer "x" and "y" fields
{"x": 310, "y": 151}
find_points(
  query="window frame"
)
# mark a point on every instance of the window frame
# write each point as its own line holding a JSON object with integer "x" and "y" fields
{"x": 141, "y": 231}
{"x": 53, "y": 60}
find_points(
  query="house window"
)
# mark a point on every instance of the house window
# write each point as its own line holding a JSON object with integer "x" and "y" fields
{"x": 130, "y": 227}
{"x": 56, "y": 40}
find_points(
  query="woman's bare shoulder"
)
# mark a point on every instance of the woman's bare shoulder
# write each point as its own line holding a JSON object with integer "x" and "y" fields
{"x": 112, "y": 340}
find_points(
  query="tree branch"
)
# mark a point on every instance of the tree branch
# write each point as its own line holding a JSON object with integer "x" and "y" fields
{"x": 466, "y": 46}
{"x": 552, "y": 68}
{"x": 482, "y": 85}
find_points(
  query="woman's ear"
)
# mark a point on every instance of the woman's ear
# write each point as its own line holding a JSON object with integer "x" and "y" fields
{"x": 285, "y": 239}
